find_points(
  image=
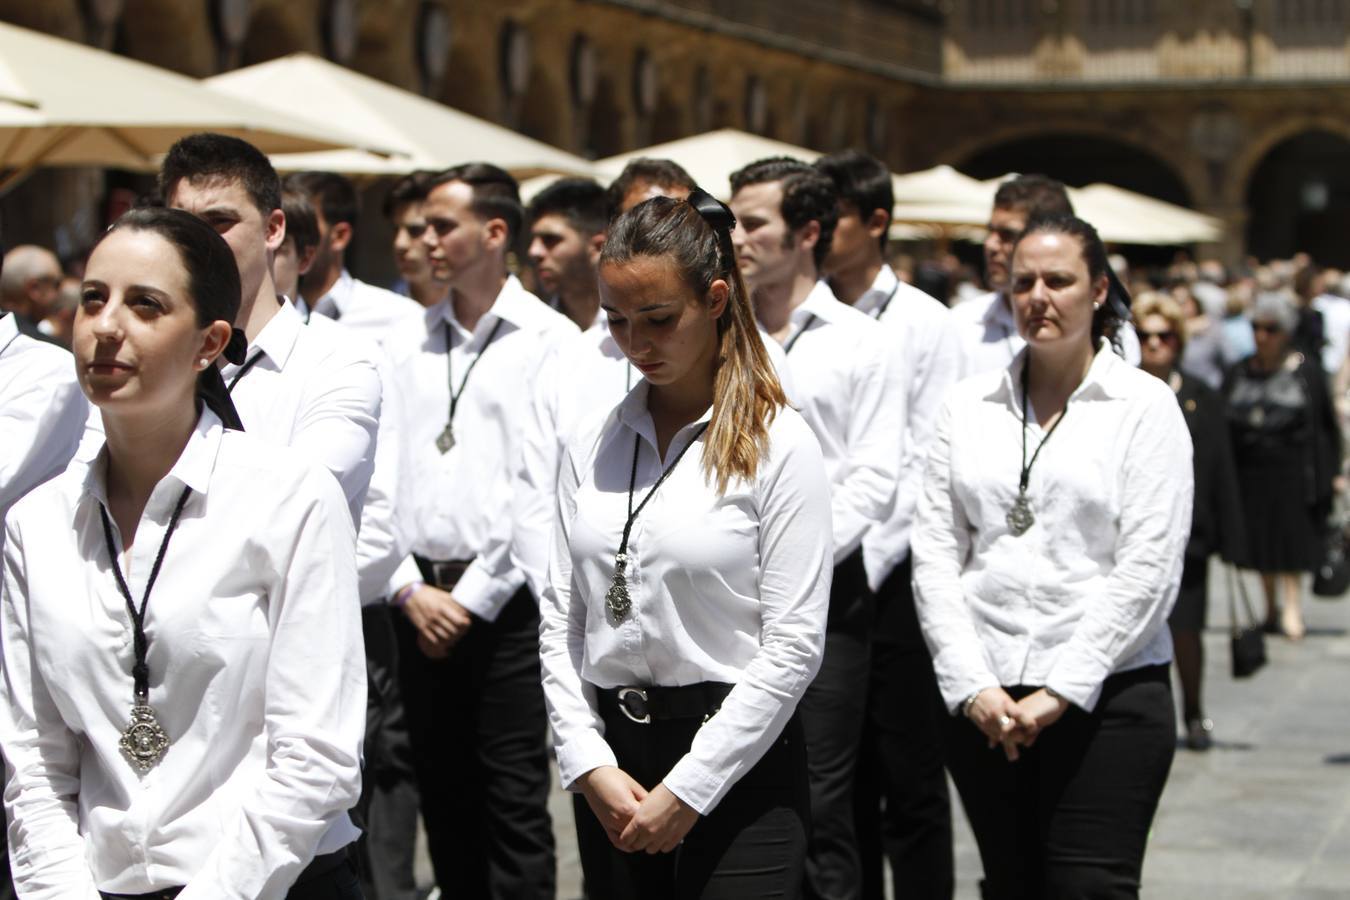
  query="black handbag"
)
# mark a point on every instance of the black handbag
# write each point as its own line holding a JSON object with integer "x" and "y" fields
{"x": 1248, "y": 641}
{"x": 1333, "y": 574}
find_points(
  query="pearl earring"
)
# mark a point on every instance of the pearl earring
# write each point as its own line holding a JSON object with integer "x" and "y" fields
{"x": 202, "y": 363}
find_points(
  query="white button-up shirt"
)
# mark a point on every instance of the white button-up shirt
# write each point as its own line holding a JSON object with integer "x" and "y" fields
{"x": 364, "y": 307}
{"x": 256, "y": 674}
{"x": 928, "y": 355}
{"x": 989, "y": 338}
{"x": 850, "y": 393}
{"x": 730, "y": 588}
{"x": 381, "y": 543}
{"x": 42, "y": 412}
{"x": 463, "y": 497}
{"x": 320, "y": 396}
{"x": 1087, "y": 590}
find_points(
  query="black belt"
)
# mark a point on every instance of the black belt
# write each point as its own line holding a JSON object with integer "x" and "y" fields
{"x": 443, "y": 574}
{"x": 645, "y": 705}
{"x": 320, "y": 866}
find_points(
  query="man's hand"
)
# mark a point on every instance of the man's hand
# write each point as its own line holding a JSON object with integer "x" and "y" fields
{"x": 659, "y": 824}
{"x": 614, "y": 797}
{"x": 439, "y": 620}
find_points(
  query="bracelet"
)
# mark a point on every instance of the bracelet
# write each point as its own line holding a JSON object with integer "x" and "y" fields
{"x": 401, "y": 597}
{"x": 968, "y": 703}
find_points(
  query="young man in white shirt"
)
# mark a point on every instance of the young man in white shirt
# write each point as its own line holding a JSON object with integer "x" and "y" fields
{"x": 989, "y": 338}
{"x": 567, "y": 229}
{"x": 295, "y": 389}
{"x": 403, "y": 209}
{"x": 327, "y": 287}
{"x": 645, "y": 178}
{"x": 469, "y": 648}
{"x": 901, "y": 756}
{"x": 848, "y": 391}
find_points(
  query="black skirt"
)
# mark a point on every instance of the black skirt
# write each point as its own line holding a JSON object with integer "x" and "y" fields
{"x": 1284, "y": 530}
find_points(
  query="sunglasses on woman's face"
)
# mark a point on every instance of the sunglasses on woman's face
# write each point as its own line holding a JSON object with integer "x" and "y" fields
{"x": 1267, "y": 327}
{"x": 1167, "y": 337}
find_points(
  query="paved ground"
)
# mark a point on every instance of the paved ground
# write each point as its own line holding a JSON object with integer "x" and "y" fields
{"x": 1265, "y": 814}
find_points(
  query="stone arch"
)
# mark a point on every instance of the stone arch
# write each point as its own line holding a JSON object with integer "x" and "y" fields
{"x": 1254, "y": 153}
{"x": 1182, "y": 167}
{"x": 1298, "y": 198}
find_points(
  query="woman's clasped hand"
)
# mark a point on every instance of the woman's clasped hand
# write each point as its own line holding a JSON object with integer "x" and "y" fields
{"x": 1013, "y": 724}
{"x": 634, "y": 819}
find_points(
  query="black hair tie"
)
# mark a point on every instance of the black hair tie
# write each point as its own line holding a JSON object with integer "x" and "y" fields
{"x": 237, "y": 348}
{"x": 714, "y": 211}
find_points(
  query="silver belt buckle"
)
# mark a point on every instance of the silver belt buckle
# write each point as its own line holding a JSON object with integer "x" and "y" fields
{"x": 624, "y": 694}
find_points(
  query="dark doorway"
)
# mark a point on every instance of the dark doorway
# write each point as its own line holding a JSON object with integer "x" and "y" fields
{"x": 1298, "y": 199}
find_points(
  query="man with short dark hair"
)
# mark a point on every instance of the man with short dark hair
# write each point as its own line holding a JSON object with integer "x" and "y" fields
{"x": 403, "y": 209}
{"x": 902, "y": 797}
{"x": 567, "y": 223}
{"x": 849, "y": 393}
{"x": 327, "y": 287}
{"x": 989, "y": 338}
{"x": 295, "y": 389}
{"x": 467, "y": 369}
{"x": 644, "y": 178}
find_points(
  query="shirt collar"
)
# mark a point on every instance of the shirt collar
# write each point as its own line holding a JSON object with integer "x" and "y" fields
{"x": 821, "y": 303}
{"x": 1107, "y": 378}
{"x": 604, "y": 339}
{"x": 9, "y": 330}
{"x": 632, "y": 413}
{"x": 512, "y": 305}
{"x": 999, "y": 312}
{"x": 192, "y": 469}
{"x": 278, "y": 337}
{"x": 340, "y": 294}
{"x": 883, "y": 289}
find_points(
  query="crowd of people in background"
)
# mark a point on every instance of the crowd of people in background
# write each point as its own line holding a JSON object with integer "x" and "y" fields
{"x": 754, "y": 526}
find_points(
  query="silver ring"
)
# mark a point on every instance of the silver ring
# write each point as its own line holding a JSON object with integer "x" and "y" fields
{"x": 1004, "y": 721}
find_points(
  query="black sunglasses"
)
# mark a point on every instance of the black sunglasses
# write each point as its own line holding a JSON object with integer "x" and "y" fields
{"x": 1167, "y": 336}
{"x": 1267, "y": 327}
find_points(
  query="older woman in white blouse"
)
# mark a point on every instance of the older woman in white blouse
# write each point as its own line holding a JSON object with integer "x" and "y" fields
{"x": 183, "y": 696}
{"x": 1048, "y": 552}
{"x": 685, "y": 613}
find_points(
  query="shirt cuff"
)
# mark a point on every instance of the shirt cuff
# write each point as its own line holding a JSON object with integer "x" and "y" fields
{"x": 960, "y": 675}
{"x": 587, "y": 751}
{"x": 406, "y": 573}
{"x": 482, "y": 594}
{"x": 1077, "y": 676}
{"x": 699, "y": 787}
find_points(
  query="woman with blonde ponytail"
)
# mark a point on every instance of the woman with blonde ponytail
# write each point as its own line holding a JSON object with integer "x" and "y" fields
{"x": 685, "y": 610}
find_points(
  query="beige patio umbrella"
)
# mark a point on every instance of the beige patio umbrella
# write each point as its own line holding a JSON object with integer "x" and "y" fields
{"x": 1125, "y": 217}
{"x": 65, "y": 104}
{"x": 710, "y": 157}
{"x": 422, "y": 133}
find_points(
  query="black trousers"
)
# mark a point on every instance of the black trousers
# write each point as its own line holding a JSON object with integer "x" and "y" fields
{"x": 1070, "y": 819}
{"x": 478, "y": 729}
{"x": 749, "y": 847}
{"x": 903, "y": 804}
{"x": 832, "y": 713}
{"x": 387, "y": 810}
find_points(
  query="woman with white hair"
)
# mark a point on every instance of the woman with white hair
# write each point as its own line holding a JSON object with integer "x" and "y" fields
{"x": 1288, "y": 451}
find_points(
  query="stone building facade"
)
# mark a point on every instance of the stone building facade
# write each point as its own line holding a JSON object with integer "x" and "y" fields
{"x": 1238, "y": 107}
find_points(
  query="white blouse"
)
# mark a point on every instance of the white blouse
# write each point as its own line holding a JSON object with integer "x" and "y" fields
{"x": 1086, "y": 591}
{"x": 731, "y": 588}
{"x": 257, "y": 675}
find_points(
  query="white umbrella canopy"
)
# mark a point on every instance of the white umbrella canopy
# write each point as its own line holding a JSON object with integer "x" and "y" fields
{"x": 65, "y": 104}
{"x": 710, "y": 158}
{"x": 941, "y": 185}
{"x": 422, "y": 133}
{"x": 1125, "y": 217}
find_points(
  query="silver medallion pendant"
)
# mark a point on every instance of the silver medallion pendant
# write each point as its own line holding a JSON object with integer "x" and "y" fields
{"x": 144, "y": 742}
{"x": 616, "y": 598}
{"x": 446, "y": 439}
{"x": 1020, "y": 517}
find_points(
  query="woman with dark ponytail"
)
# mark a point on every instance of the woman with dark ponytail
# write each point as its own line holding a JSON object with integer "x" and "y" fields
{"x": 183, "y": 697}
{"x": 685, "y": 611}
{"x": 1047, "y": 554}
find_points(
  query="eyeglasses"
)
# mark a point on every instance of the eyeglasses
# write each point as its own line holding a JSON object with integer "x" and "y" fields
{"x": 1267, "y": 327}
{"x": 1166, "y": 337}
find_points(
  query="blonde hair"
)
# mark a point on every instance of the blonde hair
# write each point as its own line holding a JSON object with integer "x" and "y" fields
{"x": 1154, "y": 303}
{"x": 746, "y": 390}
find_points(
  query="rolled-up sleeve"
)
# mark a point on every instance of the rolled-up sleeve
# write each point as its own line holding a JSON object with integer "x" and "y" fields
{"x": 314, "y": 711}
{"x": 1157, "y": 490}
{"x": 796, "y": 565}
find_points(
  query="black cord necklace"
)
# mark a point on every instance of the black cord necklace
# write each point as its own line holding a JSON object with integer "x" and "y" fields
{"x": 243, "y": 370}
{"x": 143, "y": 740}
{"x": 881, "y": 309}
{"x": 617, "y": 598}
{"x": 1020, "y": 517}
{"x": 792, "y": 341}
{"x": 446, "y": 439}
